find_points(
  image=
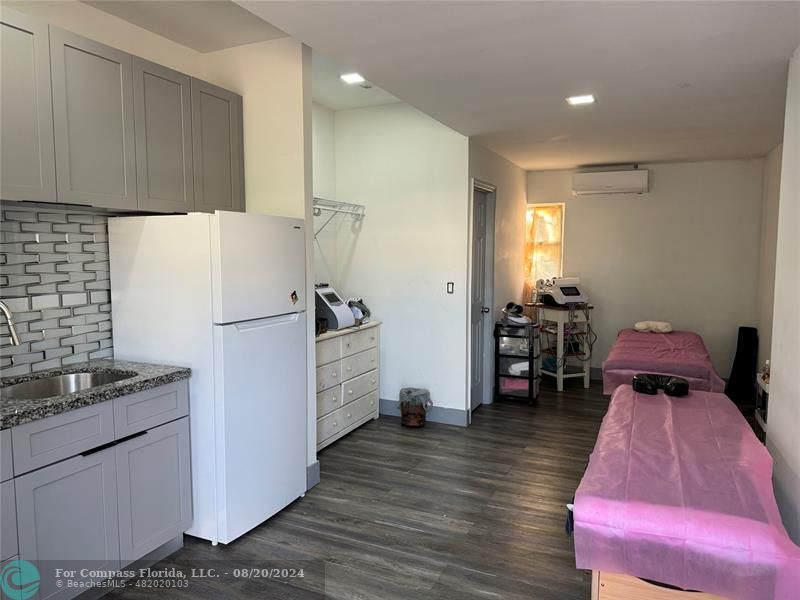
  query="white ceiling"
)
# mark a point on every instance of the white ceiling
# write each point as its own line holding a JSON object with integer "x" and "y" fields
{"x": 674, "y": 80}
{"x": 203, "y": 25}
{"x": 333, "y": 93}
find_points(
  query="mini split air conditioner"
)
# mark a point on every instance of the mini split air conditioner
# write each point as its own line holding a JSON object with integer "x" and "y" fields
{"x": 632, "y": 181}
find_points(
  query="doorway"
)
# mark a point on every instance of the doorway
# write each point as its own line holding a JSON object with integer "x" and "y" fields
{"x": 481, "y": 295}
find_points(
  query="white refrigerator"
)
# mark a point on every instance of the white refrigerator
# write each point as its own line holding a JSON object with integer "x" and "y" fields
{"x": 225, "y": 295}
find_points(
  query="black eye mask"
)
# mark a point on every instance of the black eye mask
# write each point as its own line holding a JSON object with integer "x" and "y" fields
{"x": 649, "y": 383}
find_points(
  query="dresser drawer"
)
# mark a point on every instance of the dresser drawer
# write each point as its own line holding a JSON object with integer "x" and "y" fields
{"x": 328, "y": 401}
{"x": 361, "y": 408}
{"x": 49, "y": 440}
{"x": 359, "y": 386}
{"x": 329, "y": 351}
{"x": 358, "y": 364}
{"x": 150, "y": 408}
{"x": 329, "y": 425}
{"x": 344, "y": 417}
{"x": 359, "y": 341}
{"x": 329, "y": 376}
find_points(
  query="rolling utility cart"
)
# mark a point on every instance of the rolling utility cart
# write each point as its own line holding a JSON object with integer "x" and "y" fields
{"x": 516, "y": 363}
{"x": 567, "y": 335}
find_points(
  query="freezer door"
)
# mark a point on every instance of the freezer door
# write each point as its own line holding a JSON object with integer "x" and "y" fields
{"x": 260, "y": 386}
{"x": 258, "y": 266}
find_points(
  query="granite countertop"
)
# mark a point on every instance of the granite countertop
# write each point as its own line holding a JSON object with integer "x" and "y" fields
{"x": 15, "y": 412}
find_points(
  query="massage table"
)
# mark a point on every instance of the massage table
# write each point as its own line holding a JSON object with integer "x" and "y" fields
{"x": 680, "y": 353}
{"x": 679, "y": 491}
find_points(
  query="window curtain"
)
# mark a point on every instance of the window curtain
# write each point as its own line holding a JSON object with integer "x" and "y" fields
{"x": 543, "y": 242}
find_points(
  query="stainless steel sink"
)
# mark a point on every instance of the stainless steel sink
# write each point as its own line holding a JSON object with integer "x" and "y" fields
{"x": 59, "y": 385}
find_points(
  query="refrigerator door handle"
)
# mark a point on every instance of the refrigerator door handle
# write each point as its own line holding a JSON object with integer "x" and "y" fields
{"x": 268, "y": 322}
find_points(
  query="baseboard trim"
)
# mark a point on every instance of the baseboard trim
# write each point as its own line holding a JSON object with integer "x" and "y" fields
{"x": 312, "y": 475}
{"x": 437, "y": 414}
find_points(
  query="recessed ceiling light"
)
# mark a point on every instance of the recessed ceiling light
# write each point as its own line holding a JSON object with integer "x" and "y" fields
{"x": 577, "y": 100}
{"x": 352, "y": 78}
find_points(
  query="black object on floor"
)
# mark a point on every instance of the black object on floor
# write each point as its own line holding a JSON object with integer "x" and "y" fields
{"x": 741, "y": 384}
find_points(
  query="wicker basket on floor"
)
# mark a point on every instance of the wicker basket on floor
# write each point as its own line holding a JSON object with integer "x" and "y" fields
{"x": 414, "y": 404}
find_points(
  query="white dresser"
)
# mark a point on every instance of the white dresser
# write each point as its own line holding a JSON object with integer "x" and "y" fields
{"x": 348, "y": 380}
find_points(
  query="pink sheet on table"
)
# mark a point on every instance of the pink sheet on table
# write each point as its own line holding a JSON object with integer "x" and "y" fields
{"x": 679, "y": 490}
{"x": 681, "y": 353}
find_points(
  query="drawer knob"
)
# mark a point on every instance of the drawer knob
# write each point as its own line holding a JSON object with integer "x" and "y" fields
{"x": 334, "y": 375}
{"x": 347, "y": 344}
{"x": 372, "y": 402}
{"x": 350, "y": 392}
{"x": 349, "y": 416}
{"x": 373, "y": 381}
{"x": 334, "y": 398}
{"x": 373, "y": 359}
{"x": 334, "y": 423}
{"x": 349, "y": 368}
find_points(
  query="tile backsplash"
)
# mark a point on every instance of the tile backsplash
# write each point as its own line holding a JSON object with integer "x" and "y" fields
{"x": 54, "y": 276}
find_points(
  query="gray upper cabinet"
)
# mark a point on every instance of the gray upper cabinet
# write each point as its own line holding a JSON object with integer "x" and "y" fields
{"x": 162, "y": 108}
{"x": 27, "y": 170}
{"x": 217, "y": 148}
{"x": 93, "y": 117}
{"x": 69, "y": 509}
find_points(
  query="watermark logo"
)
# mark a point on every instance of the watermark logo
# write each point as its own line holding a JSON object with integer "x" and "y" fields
{"x": 19, "y": 580}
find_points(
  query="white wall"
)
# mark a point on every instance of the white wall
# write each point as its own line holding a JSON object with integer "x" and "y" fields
{"x": 411, "y": 172}
{"x": 769, "y": 241}
{"x": 326, "y": 253}
{"x": 783, "y": 425}
{"x": 324, "y": 151}
{"x": 268, "y": 75}
{"x": 510, "y": 207}
{"x": 687, "y": 252}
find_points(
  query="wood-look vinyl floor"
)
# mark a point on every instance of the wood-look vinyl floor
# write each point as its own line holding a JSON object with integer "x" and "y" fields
{"x": 441, "y": 512}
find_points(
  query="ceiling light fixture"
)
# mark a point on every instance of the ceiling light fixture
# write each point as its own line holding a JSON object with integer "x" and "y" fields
{"x": 578, "y": 100}
{"x": 352, "y": 78}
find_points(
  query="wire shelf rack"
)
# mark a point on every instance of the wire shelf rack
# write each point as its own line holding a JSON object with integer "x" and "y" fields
{"x": 333, "y": 208}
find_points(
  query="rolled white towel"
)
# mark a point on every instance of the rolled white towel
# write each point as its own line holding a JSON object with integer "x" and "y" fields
{"x": 654, "y": 326}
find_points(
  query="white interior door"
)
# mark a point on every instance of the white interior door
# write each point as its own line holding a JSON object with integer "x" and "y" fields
{"x": 260, "y": 386}
{"x": 478, "y": 309}
{"x": 258, "y": 266}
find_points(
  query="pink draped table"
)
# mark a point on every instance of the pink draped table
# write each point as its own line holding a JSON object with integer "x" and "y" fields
{"x": 679, "y": 490}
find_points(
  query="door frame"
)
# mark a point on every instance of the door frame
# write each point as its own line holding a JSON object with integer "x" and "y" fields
{"x": 488, "y": 364}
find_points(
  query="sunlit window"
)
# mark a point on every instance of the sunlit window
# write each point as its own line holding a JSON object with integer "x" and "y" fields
{"x": 544, "y": 249}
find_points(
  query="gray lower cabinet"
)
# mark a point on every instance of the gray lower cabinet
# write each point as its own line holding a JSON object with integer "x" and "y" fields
{"x": 163, "y": 116}
{"x": 27, "y": 171}
{"x": 217, "y": 148}
{"x": 90, "y": 495}
{"x": 8, "y": 520}
{"x": 93, "y": 118}
{"x": 155, "y": 489}
{"x": 67, "y": 518}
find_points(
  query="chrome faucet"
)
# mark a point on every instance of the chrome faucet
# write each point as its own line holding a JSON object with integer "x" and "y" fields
{"x": 12, "y": 330}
